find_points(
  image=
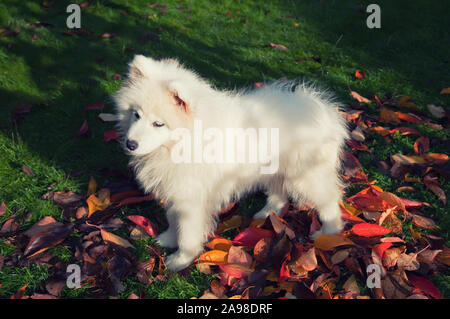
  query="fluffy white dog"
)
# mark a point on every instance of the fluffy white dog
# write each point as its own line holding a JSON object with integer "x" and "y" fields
{"x": 160, "y": 98}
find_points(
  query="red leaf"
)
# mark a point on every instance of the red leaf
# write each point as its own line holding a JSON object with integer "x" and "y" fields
{"x": 360, "y": 74}
{"x": 369, "y": 230}
{"x": 425, "y": 286}
{"x": 20, "y": 293}
{"x": 110, "y": 135}
{"x": 381, "y": 248}
{"x": 251, "y": 235}
{"x": 405, "y": 130}
{"x": 145, "y": 224}
{"x": 84, "y": 130}
{"x": 117, "y": 197}
{"x": 95, "y": 106}
{"x": 235, "y": 270}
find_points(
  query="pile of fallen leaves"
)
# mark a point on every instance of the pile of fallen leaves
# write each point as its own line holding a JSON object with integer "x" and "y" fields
{"x": 273, "y": 257}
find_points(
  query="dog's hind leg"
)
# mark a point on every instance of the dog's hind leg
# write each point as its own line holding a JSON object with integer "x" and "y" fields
{"x": 321, "y": 187}
{"x": 277, "y": 198}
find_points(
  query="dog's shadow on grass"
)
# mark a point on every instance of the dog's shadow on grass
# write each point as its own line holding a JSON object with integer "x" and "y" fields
{"x": 71, "y": 71}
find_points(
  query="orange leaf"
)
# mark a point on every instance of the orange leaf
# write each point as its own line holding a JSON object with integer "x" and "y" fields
{"x": 20, "y": 293}
{"x": 445, "y": 91}
{"x": 328, "y": 242}
{"x": 217, "y": 257}
{"x": 421, "y": 145}
{"x": 219, "y": 243}
{"x": 359, "y": 97}
{"x": 360, "y": 74}
{"x": 98, "y": 203}
{"x": 388, "y": 116}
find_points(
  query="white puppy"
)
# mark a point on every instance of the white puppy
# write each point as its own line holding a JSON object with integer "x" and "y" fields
{"x": 161, "y": 98}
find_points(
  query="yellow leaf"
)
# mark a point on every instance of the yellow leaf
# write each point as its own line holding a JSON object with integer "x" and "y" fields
{"x": 233, "y": 222}
{"x": 92, "y": 187}
{"x": 405, "y": 102}
{"x": 98, "y": 203}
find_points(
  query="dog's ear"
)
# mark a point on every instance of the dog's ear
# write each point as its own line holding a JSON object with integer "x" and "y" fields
{"x": 178, "y": 96}
{"x": 137, "y": 67}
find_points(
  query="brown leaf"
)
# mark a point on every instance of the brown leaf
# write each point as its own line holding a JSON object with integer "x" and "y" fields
{"x": 359, "y": 98}
{"x": 110, "y": 237}
{"x": 432, "y": 183}
{"x": 45, "y": 223}
{"x": 328, "y": 242}
{"x": 238, "y": 256}
{"x": 307, "y": 260}
{"x": 46, "y": 239}
{"x": 278, "y": 46}
{"x": 421, "y": 145}
{"x": 421, "y": 221}
{"x": 28, "y": 171}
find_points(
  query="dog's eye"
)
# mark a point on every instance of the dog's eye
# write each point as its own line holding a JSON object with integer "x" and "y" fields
{"x": 158, "y": 124}
{"x": 136, "y": 115}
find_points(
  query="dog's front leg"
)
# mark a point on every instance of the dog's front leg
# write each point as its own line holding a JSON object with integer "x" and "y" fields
{"x": 192, "y": 234}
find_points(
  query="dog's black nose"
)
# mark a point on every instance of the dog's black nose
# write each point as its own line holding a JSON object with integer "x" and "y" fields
{"x": 132, "y": 145}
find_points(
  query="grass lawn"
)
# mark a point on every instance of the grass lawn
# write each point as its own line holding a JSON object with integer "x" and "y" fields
{"x": 227, "y": 42}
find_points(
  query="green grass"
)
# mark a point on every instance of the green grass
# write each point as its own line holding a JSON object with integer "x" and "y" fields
{"x": 60, "y": 74}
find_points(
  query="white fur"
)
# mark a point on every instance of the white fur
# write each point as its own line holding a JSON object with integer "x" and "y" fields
{"x": 311, "y": 131}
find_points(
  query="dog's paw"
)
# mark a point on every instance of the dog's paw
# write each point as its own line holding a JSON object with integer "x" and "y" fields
{"x": 178, "y": 261}
{"x": 330, "y": 228}
{"x": 265, "y": 212}
{"x": 167, "y": 239}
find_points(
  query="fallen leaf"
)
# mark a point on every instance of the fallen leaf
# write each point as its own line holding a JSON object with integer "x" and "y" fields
{"x": 421, "y": 145}
{"x": 145, "y": 224}
{"x": 45, "y": 223}
{"x": 231, "y": 223}
{"x": 437, "y": 111}
{"x": 111, "y": 238}
{"x": 359, "y": 98}
{"x": 251, "y": 235}
{"x": 95, "y": 106}
{"x": 92, "y": 186}
{"x": 98, "y": 203}
{"x": 107, "y": 117}
{"x": 369, "y": 230}
{"x": 445, "y": 91}
{"x": 110, "y": 135}
{"x": 215, "y": 257}
{"x": 424, "y": 286}
{"x": 219, "y": 243}
{"x": 328, "y": 242}
{"x": 278, "y": 46}
{"x": 46, "y": 239}
{"x": 360, "y": 74}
